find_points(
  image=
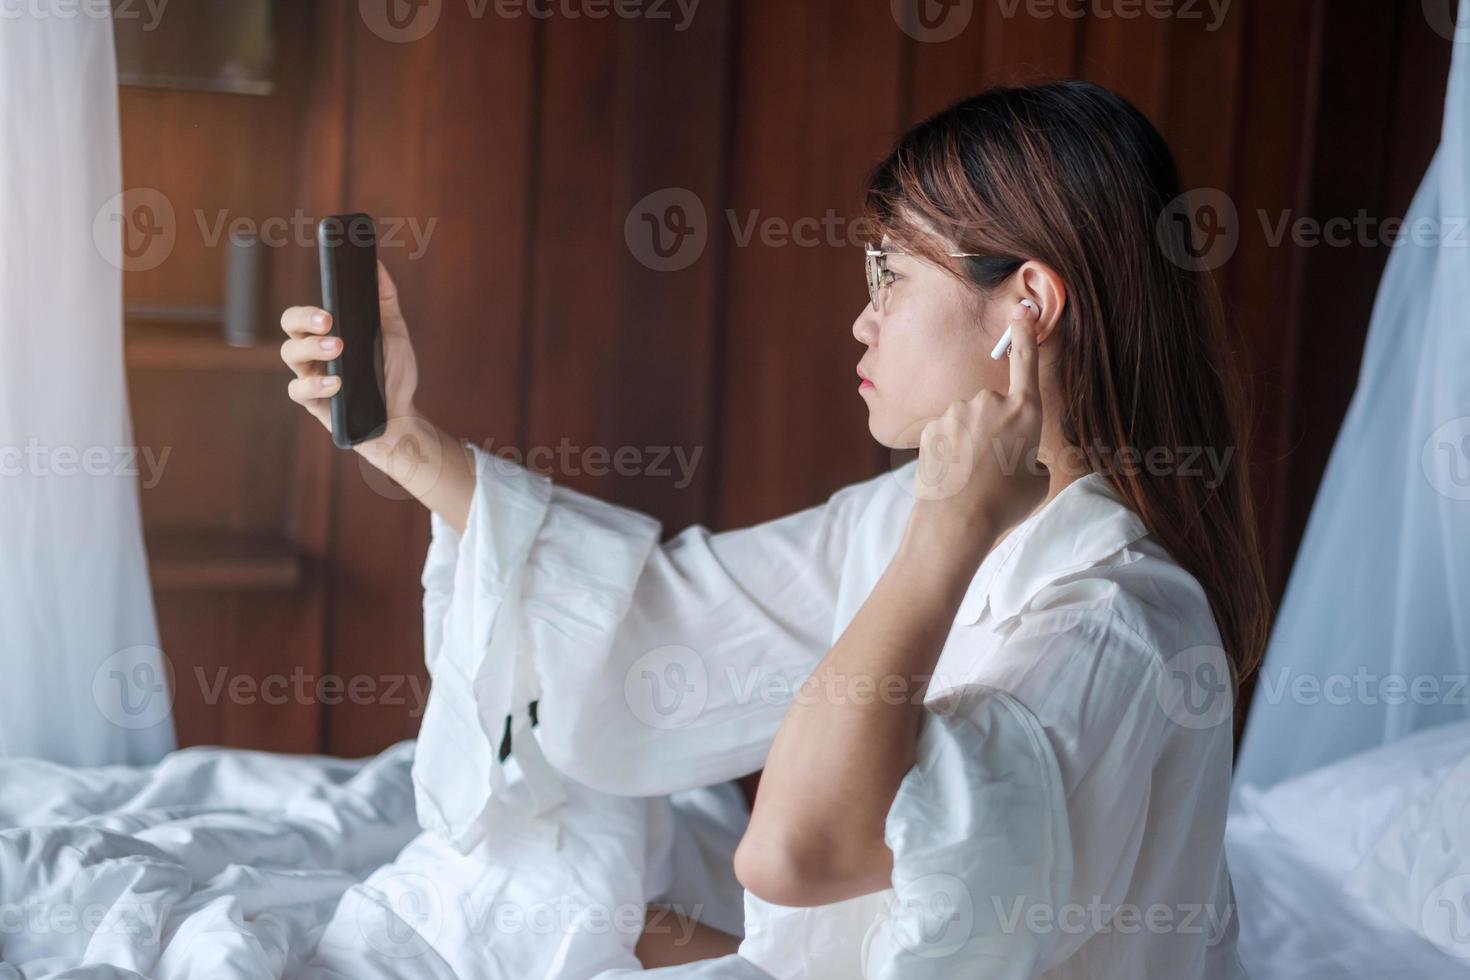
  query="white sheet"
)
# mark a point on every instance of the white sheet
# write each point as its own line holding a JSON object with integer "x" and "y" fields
{"x": 214, "y": 864}
{"x": 226, "y": 864}
{"x": 1298, "y": 923}
{"x": 1299, "y": 854}
{"x": 223, "y": 865}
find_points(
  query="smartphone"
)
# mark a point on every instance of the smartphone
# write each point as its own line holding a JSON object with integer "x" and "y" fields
{"x": 348, "y": 247}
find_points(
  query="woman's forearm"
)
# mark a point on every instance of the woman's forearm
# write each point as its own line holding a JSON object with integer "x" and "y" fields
{"x": 844, "y": 745}
{"x": 434, "y": 466}
{"x": 672, "y": 938}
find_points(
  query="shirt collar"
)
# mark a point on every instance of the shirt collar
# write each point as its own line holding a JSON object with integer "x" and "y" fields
{"x": 1079, "y": 527}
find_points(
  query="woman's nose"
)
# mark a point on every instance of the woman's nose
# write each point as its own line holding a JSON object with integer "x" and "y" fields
{"x": 865, "y": 327}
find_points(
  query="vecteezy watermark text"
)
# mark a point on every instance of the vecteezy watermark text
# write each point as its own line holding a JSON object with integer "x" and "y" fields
{"x": 38, "y": 460}
{"x": 568, "y": 459}
{"x": 95, "y": 9}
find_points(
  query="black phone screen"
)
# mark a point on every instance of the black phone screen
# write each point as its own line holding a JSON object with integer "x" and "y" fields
{"x": 347, "y": 244}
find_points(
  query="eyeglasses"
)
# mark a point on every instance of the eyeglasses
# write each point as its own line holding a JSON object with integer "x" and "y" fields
{"x": 879, "y": 274}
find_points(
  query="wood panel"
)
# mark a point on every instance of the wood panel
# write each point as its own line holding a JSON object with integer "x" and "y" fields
{"x": 235, "y": 603}
{"x": 544, "y": 152}
{"x": 996, "y": 50}
{"x": 664, "y": 360}
{"x": 621, "y": 338}
{"x": 439, "y": 135}
{"x": 1351, "y": 174}
{"x": 818, "y": 94}
{"x": 1130, "y": 56}
{"x": 1272, "y": 164}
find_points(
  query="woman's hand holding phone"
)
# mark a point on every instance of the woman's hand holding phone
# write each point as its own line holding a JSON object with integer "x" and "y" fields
{"x": 309, "y": 348}
{"x": 425, "y": 461}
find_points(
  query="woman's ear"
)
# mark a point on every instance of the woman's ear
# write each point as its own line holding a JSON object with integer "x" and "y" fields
{"x": 1039, "y": 282}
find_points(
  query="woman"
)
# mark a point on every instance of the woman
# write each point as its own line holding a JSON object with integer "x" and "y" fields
{"x": 1006, "y": 749}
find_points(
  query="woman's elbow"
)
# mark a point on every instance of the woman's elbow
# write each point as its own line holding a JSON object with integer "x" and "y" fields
{"x": 773, "y": 872}
{"x": 801, "y": 875}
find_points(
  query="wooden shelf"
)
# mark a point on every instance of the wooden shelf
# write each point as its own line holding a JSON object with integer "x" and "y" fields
{"x": 174, "y": 313}
{"x": 168, "y": 339}
{"x": 221, "y": 561}
{"x": 199, "y": 354}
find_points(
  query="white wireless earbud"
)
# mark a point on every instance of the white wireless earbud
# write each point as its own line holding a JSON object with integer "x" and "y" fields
{"x": 1005, "y": 338}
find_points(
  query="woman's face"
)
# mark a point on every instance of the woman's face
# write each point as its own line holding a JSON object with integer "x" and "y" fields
{"x": 929, "y": 344}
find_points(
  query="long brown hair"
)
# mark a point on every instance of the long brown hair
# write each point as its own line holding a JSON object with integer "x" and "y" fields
{"x": 1072, "y": 175}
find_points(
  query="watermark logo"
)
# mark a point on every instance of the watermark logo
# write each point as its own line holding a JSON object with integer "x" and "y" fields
{"x": 1099, "y": 917}
{"x": 667, "y": 688}
{"x": 1199, "y": 230}
{"x": 299, "y": 229}
{"x": 935, "y": 916}
{"x": 78, "y": 924}
{"x": 668, "y": 230}
{"x": 946, "y": 459}
{"x": 1445, "y": 459}
{"x": 408, "y": 467}
{"x": 134, "y": 688}
{"x": 401, "y": 21}
{"x": 42, "y": 461}
{"x": 1362, "y": 686}
{"x": 1103, "y": 10}
{"x": 1363, "y": 230}
{"x": 135, "y": 231}
{"x": 1445, "y": 916}
{"x": 302, "y": 688}
{"x": 401, "y": 915}
{"x": 933, "y": 21}
{"x": 117, "y": 10}
{"x": 1442, "y": 20}
{"x": 1195, "y": 688}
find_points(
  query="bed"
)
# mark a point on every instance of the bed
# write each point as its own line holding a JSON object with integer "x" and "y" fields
{"x": 1360, "y": 869}
{"x": 225, "y": 864}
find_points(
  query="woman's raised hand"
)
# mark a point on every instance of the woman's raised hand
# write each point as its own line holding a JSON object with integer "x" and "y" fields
{"x": 978, "y": 475}
{"x": 308, "y": 348}
{"x": 430, "y": 464}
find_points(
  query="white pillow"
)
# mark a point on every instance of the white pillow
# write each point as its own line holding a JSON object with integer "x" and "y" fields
{"x": 1337, "y": 814}
{"x": 1419, "y": 870}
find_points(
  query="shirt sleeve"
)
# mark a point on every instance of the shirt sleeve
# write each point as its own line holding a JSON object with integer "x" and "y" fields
{"x": 654, "y": 667}
{"x": 1027, "y": 811}
{"x": 979, "y": 835}
{"x": 1095, "y": 685}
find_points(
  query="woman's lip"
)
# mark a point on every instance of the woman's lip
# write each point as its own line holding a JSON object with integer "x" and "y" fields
{"x": 865, "y": 383}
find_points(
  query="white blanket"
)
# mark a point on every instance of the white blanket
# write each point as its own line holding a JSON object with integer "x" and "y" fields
{"x": 1350, "y": 871}
{"x": 226, "y": 864}
{"x": 220, "y": 864}
{"x": 214, "y": 863}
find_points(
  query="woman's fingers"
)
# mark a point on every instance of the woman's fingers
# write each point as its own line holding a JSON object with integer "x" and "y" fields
{"x": 1025, "y": 372}
{"x": 304, "y": 354}
{"x": 304, "y": 321}
{"x": 309, "y": 391}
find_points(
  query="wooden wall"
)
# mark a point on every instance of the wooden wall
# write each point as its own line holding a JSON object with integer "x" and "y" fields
{"x": 539, "y": 316}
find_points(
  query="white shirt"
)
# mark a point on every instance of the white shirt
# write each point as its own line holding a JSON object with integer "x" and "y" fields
{"x": 1066, "y": 815}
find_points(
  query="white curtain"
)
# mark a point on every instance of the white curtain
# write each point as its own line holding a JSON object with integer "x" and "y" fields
{"x": 1373, "y": 637}
{"x": 81, "y": 675}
